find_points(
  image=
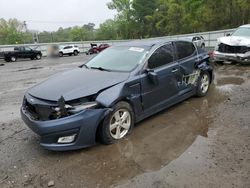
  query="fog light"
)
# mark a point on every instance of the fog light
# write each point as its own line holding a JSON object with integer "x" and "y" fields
{"x": 66, "y": 139}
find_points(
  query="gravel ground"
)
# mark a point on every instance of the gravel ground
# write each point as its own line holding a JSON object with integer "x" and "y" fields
{"x": 201, "y": 142}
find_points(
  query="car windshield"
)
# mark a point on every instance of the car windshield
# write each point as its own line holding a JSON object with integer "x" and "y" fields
{"x": 118, "y": 59}
{"x": 242, "y": 31}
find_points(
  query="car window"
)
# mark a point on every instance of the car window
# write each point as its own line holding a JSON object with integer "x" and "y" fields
{"x": 27, "y": 49}
{"x": 242, "y": 32}
{"x": 67, "y": 47}
{"x": 162, "y": 56}
{"x": 184, "y": 49}
{"x": 119, "y": 58}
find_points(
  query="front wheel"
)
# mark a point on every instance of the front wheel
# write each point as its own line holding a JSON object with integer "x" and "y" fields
{"x": 118, "y": 124}
{"x": 203, "y": 84}
{"x": 60, "y": 54}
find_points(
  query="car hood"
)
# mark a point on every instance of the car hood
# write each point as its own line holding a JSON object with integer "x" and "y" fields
{"x": 235, "y": 41}
{"x": 76, "y": 83}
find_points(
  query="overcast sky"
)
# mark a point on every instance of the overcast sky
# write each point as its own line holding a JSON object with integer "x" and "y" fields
{"x": 51, "y": 14}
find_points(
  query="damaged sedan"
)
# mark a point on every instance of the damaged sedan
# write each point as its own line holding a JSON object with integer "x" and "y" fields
{"x": 103, "y": 99}
{"x": 234, "y": 48}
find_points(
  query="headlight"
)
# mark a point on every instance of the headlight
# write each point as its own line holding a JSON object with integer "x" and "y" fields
{"x": 81, "y": 107}
{"x": 73, "y": 109}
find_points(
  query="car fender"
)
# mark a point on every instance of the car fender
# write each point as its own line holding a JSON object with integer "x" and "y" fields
{"x": 129, "y": 92}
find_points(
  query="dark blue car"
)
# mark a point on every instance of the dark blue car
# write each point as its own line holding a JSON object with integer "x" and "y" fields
{"x": 104, "y": 98}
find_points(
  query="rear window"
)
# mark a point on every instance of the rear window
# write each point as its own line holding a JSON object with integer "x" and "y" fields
{"x": 184, "y": 49}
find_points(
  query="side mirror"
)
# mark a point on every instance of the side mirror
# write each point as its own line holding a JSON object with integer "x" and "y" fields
{"x": 153, "y": 77}
{"x": 228, "y": 34}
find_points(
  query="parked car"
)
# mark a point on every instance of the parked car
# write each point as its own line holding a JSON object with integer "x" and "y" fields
{"x": 114, "y": 90}
{"x": 69, "y": 50}
{"x": 199, "y": 41}
{"x": 20, "y": 52}
{"x": 96, "y": 49}
{"x": 234, "y": 48}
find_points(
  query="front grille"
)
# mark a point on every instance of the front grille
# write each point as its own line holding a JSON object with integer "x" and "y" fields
{"x": 224, "y": 48}
{"x": 39, "y": 112}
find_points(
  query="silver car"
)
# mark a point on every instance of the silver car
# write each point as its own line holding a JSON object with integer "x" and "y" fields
{"x": 235, "y": 47}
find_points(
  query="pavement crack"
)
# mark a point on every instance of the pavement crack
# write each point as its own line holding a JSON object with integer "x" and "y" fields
{"x": 11, "y": 136}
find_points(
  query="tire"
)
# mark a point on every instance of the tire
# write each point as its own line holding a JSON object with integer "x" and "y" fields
{"x": 203, "y": 46}
{"x": 70, "y": 54}
{"x": 75, "y": 53}
{"x": 124, "y": 126}
{"x": 13, "y": 59}
{"x": 60, "y": 54}
{"x": 38, "y": 56}
{"x": 203, "y": 84}
{"x": 32, "y": 58}
{"x": 7, "y": 59}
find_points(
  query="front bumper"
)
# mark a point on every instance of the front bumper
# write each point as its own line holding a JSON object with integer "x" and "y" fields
{"x": 83, "y": 124}
{"x": 241, "y": 58}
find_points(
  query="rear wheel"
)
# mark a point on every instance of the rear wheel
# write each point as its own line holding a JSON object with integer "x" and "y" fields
{"x": 118, "y": 124}
{"x": 38, "y": 56}
{"x": 203, "y": 46}
{"x": 12, "y": 58}
{"x": 203, "y": 84}
{"x": 75, "y": 53}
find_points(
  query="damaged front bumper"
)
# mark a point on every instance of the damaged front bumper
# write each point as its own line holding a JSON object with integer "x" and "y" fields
{"x": 82, "y": 126}
{"x": 241, "y": 58}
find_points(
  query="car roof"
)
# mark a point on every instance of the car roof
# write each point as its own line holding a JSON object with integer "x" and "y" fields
{"x": 148, "y": 42}
{"x": 247, "y": 25}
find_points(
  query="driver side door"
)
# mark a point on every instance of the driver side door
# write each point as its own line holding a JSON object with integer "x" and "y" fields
{"x": 166, "y": 70}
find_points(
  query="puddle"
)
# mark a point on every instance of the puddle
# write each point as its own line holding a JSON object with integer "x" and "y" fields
{"x": 32, "y": 68}
{"x": 153, "y": 144}
{"x": 230, "y": 80}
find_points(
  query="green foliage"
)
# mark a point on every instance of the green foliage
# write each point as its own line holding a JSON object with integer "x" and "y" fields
{"x": 77, "y": 33}
{"x": 167, "y": 17}
{"x": 142, "y": 19}
{"x": 13, "y": 32}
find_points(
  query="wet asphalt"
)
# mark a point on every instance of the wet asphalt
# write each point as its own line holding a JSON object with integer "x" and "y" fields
{"x": 201, "y": 142}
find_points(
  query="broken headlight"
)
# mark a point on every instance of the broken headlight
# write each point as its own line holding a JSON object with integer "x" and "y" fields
{"x": 73, "y": 109}
{"x": 77, "y": 108}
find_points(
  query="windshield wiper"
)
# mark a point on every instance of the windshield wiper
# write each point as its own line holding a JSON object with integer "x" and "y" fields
{"x": 100, "y": 68}
{"x": 84, "y": 65}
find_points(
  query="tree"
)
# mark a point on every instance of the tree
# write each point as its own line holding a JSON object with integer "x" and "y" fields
{"x": 13, "y": 31}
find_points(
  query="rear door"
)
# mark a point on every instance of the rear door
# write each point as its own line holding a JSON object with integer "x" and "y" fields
{"x": 162, "y": 63}
{"x": 186, "y": 55}
{"x": 187, "y": 58}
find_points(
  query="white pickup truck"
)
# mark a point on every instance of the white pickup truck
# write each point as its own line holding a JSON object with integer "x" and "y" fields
{"x": 69, "y": 50}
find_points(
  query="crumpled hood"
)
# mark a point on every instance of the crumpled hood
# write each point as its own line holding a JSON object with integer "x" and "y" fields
{"x": 235, "y": 41}
{"x": 76, "y": 83}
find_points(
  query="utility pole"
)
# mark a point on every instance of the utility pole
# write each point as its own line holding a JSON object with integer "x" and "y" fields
{"x": 25, "y": 30}
{"x": 25, "y": 27}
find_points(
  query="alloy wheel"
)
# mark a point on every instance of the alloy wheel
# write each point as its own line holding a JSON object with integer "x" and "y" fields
{"x": 120, "y": 123}
{"x": 204, "y": 83}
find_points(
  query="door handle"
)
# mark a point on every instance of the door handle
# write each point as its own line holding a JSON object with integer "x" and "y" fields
{"x": 174, "y": 70}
